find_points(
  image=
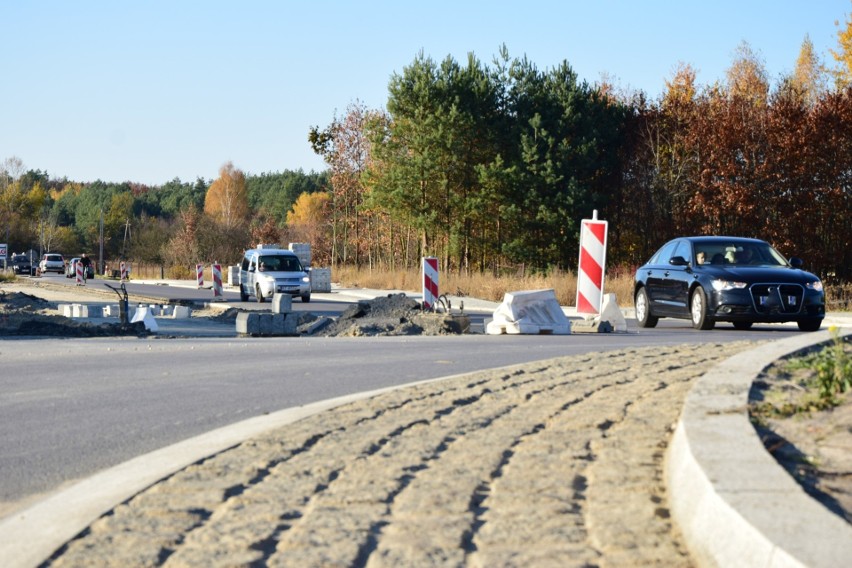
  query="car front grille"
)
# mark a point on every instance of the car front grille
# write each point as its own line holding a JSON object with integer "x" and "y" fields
{"x": 777, "y": 298}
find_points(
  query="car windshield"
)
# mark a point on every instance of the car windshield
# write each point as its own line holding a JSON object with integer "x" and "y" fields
{"x": 279, "y": 263}
{"x": 739, "y": 253}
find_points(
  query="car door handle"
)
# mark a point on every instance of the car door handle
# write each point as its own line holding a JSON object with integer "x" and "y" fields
{"x": 666, "y": 273}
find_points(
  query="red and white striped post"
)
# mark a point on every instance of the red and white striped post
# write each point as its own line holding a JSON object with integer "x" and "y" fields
{"x": 199, "y": 275}
{"x": 430, "y": 282}
{"x": 78, "y": 273}
{"x": 217, "y": 282}
{"x": 590, "y": 273}
{"x": 123, "y": 271}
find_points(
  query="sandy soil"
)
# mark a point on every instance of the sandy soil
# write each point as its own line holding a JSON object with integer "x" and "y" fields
{"x": 813, "y": 444}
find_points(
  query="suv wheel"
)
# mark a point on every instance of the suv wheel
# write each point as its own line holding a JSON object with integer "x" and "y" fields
{"x": 243, "y": 296}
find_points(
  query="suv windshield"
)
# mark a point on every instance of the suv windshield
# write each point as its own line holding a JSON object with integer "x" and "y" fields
{"x": 279, "y": 263}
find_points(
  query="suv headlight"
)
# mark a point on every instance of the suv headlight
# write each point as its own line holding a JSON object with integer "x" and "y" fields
{"x": 814, "y": 286}
{"x": 720, "y": 285}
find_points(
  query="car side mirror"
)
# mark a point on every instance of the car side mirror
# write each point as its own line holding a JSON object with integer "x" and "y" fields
{"x": 796, "y": 262}
{"x": 678, "y": 261}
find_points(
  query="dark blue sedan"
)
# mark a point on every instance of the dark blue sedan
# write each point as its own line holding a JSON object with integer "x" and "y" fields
{"x": 732, "y": 279}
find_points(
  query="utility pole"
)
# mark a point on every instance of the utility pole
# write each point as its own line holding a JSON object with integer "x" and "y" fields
{"x": 101, "y": 249}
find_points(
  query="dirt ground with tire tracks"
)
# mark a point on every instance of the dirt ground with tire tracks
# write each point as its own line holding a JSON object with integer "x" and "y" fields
{"x": 559, "y": 463}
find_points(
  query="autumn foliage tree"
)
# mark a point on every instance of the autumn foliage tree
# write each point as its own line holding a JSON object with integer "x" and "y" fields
{"x": 227, "y": 201}
{"x": 308, "y": 222}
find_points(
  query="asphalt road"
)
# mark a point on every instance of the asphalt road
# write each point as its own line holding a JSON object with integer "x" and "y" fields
{"x": 69, "y": 407}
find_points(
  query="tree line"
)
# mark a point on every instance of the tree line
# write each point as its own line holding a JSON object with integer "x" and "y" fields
{"x": 491, "y": 168}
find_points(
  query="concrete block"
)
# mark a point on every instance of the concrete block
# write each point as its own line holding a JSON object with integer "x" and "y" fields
{"x": 80, "y": 311}
{"x": 66, "y": 310}
{"x": 264, "y": 324}
{"x": 320, "y": 279}
{"x": 290, "y": 324}
{"x": 181, "y": 312}
{"x": 233, "y": 276}
{"x": 282, "y": 303}
{"x": 247, "y": 323}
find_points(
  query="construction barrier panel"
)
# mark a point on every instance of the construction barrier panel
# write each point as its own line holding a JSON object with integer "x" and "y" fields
{"x": 430, "y": 282}
{"x": 78, "y": 273}
{"x": 199, "y": 275}
{"x": 124, "y": 271}
{"x": 590, "y": 275}
{"x": 218, "y": 294}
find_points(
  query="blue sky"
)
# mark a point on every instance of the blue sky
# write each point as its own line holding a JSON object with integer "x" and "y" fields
{"x": 147, "y": 91}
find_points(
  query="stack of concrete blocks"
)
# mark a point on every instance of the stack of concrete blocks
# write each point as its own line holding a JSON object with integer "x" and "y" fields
{"x": 320, "y": 279}
{"x": 303, "y": 251}
{"x": 233, "y": 276}
{"x": 281, "y": 322}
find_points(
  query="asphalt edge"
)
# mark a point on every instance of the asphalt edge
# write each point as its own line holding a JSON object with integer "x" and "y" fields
{"x": 729, "y": 497}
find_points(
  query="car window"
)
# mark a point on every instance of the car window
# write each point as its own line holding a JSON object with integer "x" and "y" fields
{"x": 664, "y": 254}
{"x": 683, "y": 249}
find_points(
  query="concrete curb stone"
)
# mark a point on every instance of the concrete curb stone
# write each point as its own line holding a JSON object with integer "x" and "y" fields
{"x": 734, "y": 504}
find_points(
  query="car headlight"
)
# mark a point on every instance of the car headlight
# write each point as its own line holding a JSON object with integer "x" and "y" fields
{"x": 720, "y": 285}
{"x": 306, "y": 278}
{"x": 814, "y": 286}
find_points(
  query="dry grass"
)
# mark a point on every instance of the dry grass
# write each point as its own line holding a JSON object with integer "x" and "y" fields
{"x": 619, "y": 280}
{"x": 483, "y": 286}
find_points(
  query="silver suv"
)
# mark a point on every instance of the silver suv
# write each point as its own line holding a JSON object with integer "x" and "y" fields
{"x": 52, "y": 262}
{"x": 265, "y": 271}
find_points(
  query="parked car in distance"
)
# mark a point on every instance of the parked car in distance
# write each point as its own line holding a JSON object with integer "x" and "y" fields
{"x": 21, "y": 264}
{"x": 726, "y": 279}
{"x": 265, "y": 271}
{"x": 52, "y": 262}
{"x": 71, "y": 270}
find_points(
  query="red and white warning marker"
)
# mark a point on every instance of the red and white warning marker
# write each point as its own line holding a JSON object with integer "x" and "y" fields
{"x": 430, "y": 282}
{"x": 199, "y": 275}
{"x": 590, "y": 273}
{"x": 217, "y": 282}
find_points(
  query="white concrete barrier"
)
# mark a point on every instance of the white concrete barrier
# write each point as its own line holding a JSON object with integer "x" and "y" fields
{"x": 612, "y": 313}
{"x": 181, "y": 312}
{"x": 529, "y": 312}
{"x": 143, "y": 314}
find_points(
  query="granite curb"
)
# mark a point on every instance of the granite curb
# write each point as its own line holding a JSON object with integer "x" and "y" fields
{"x": 735, "y": 505}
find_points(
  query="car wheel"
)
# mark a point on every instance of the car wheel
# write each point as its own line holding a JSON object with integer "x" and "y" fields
{"x": 698, "y": 310}
{"x": 809, "y": 324}
{"x": 643, "y": 309}
{"x": 743, "y": 325}
{"x": 243, "y": 296}
{"x": 306, "y": 298}
{"x": 258, "y": 294}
